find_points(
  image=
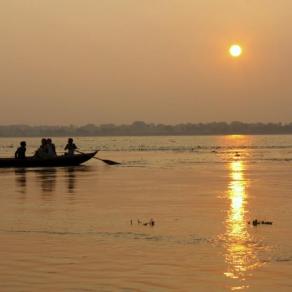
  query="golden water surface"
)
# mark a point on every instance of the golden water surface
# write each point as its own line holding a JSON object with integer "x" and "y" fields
{"x": 78, "y": 228}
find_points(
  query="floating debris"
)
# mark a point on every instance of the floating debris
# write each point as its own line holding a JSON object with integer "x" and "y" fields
{"x": 151, "y": 222}
{"x": 258, "y": 222}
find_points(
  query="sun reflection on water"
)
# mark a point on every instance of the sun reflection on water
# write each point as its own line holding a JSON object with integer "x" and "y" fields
{"x": 240, "y": 254}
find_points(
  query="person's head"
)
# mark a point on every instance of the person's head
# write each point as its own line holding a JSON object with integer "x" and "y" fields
{"x": 49, "y": 141}
{"x": 22, "y": 143}
{"x": 70, "y": 140}
{"x": 44, "y": 141}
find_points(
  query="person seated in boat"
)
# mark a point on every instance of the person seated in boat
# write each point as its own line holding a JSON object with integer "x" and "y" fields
{"x": 42, "y": 152}
{"x": 51, "y": 148}
{"x": 70, "y": 147}
{"x": 20, "y": 152}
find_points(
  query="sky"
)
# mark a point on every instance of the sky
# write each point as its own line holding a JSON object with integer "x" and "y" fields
{"x": 162, "y": 61}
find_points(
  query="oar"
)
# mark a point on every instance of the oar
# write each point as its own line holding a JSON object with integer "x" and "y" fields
{"x": 107, "y": 161}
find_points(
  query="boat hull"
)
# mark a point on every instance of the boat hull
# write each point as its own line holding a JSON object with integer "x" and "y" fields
{"x": 59, "y": 161}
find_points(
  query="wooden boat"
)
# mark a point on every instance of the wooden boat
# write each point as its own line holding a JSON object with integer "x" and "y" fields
{"x": 62, "y": 160}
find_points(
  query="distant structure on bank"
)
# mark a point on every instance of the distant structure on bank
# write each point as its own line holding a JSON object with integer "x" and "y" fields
{"x": 140, "y": 128}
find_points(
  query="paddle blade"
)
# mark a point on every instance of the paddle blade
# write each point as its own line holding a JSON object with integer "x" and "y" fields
{"x": 109, "y": 162}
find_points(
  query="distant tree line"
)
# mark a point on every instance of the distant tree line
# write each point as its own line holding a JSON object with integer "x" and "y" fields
{"x": 140, "y": 128}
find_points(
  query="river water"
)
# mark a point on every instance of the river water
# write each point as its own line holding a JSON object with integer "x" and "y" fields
{"x": 86, "y": 228}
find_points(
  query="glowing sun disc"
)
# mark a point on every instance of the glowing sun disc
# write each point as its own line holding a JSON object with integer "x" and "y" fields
{"x": 235, "y": 51}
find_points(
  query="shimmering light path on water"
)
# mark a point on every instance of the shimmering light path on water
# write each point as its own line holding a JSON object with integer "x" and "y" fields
{"x": 65, "y": 229}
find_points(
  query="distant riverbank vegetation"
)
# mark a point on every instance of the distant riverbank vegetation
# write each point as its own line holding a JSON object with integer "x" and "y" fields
{"x": 140, "y": 128}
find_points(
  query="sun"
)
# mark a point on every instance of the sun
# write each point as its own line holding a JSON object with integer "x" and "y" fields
{"x": 235, "y": 50}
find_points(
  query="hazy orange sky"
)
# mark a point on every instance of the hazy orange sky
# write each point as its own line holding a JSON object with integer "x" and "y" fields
{"x": 101, "y": 61}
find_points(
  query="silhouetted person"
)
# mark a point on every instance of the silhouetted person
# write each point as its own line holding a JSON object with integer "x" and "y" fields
{"x": 70, "y": 147}
{"x": 20, "y": 152}
{"x": 51, "y": 148}
{"x": 42, "y": 152}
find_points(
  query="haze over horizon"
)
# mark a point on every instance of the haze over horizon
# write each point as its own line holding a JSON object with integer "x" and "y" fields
{"x": 109, "y": 61}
